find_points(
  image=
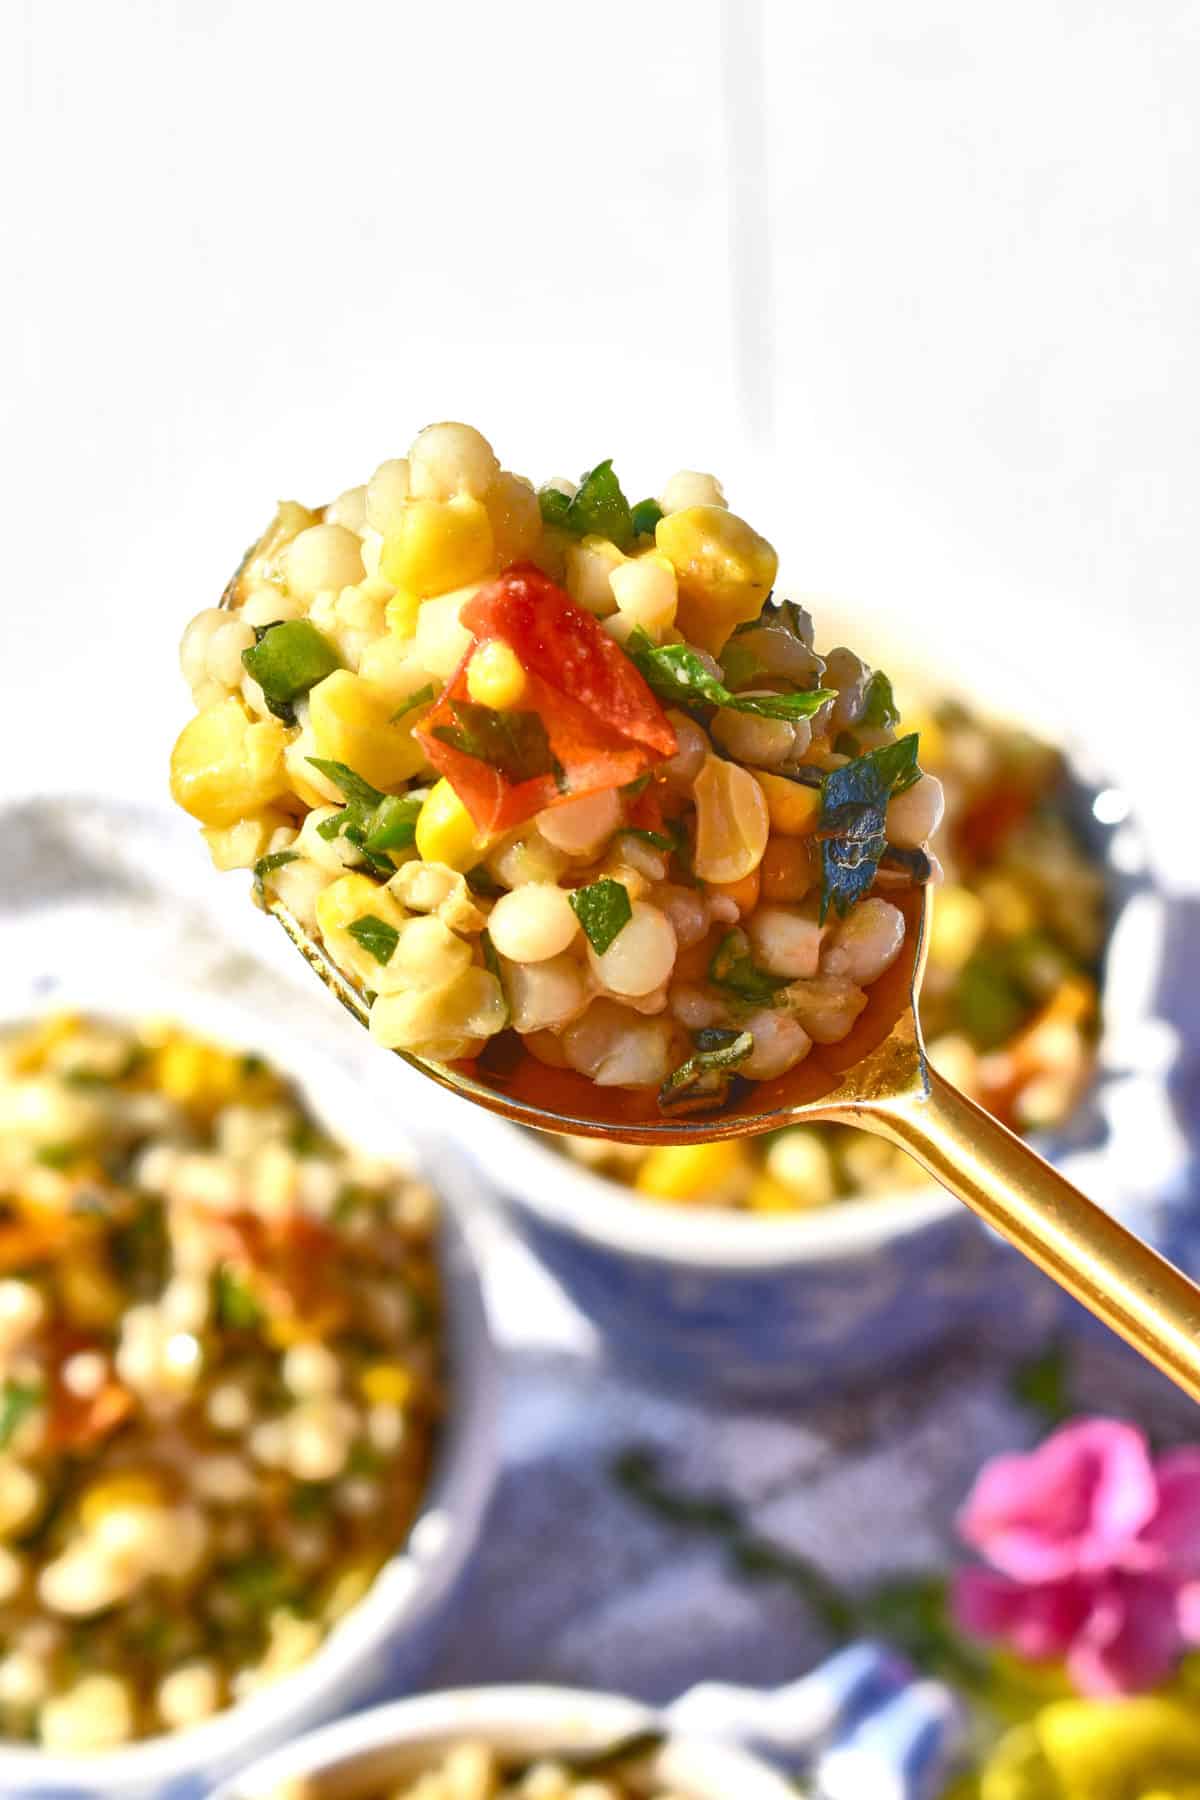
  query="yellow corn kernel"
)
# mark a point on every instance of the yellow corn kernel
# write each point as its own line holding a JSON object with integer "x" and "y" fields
{"x": 348, "y": 1587}
{"x": 226, "y": 766}
{"x": 351, "y": 722}
{"x": 645, "y": 592}
{"x": 690, "y": 1171}
{"x": 119, "y": 1493}
{"x": 198, "y": 1075}
{"x": 441, "y": 639}
{"x": 770, "y": 1196}
{"x": 516, "y": 518}
{"x": 800, "y": 1163}
{"x": 959, "y": 921}
{"x": 794, "y": 810}
{"x": 723, "y": 568}
{"x": 390, "y": 665}
{"x": 400, "y": 613}
{"x": 495, "y": 677}
{"x": 589, "y": 569}
{"x": 446, "y": 832}
{"x": 439, "y": 545}
{"x": 350, "y": 898}
{"x": 240, "y": 846}
{"x": 732, "y": 825}
{"x": 387, "y": 1384}
{"x": 31, "y": 1049}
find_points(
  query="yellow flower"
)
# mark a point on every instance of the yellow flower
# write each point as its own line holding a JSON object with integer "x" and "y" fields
{"x": 1144, "y": 1748}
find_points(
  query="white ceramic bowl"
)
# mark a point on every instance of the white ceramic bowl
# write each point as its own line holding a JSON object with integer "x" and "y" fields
{"x": 360, "y": 1755}
{"x": 719, "y": 1302}
{"x": 384, "y": 1642}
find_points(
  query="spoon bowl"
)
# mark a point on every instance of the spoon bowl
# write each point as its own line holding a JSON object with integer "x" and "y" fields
{"x": 879, "y": 1079}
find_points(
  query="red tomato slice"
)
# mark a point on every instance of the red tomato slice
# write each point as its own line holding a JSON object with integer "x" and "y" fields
{"x": 587, "y": 721}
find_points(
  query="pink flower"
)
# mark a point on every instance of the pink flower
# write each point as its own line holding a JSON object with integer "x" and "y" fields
{"x": 1094, "y": 1550}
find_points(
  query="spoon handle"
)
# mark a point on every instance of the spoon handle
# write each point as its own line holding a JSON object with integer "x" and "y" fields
{"x": 1125, "y": 1283}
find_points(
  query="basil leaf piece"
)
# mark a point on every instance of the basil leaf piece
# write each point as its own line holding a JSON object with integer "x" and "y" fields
{"x": 483, "y": 883}
{"x": 286, "y": 660}
{"x": 785, "y": 615}
{"x": 679, "y": 676}
{"x": 514, "y": 743}
{"x": 422, "y": 697}
{"x": 377, "y": 937}
{"x": 645, "y": 516}
{"x": 880, "y": 711}
{"x": 600, "y": 509}
{"x": 853, "y": 820}
{"x": 393, "y": 824}
{"x": 17, "y": 1400}
{"x": 603, "y": 909}
{"x": 554, "y": 506}
{"x": 739, "y": 663}
{"x": 658, "y": 840}
{"x": 702, "y": 1082}
{"x": 734, "y": 969}
{"x": 233, "y": 1302}
{"x": 353, "y": 786}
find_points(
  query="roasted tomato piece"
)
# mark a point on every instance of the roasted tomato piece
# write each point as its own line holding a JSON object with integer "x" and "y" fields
{"x": 584, "y": 721}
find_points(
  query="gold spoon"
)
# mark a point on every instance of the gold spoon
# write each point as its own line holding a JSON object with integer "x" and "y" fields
{"x": 879, "y": 1079}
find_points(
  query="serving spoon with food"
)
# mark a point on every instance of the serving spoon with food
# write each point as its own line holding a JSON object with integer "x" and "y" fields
{"x": 879, "y": 1078}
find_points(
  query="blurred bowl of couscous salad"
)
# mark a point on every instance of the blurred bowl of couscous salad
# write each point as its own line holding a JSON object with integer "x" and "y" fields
{"x": 500, "y": 1743}
{"x": 244, "y": 1440}
{"x": 818, "y": 1253}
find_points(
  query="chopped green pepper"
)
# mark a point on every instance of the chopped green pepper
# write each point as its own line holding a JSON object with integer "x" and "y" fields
{"x": 287, "y": 660}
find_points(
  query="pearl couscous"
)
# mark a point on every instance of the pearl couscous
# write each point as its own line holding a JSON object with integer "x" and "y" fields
{"x": 1010, "y": 1003}
{"x": 471, "y": 1771}
{"x": 546, "y": 763}
{"x": 220, "y": 1379}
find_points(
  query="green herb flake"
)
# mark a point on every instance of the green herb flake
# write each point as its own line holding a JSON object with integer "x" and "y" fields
{"x": 880, "y": 711}
{"x": 514, "y": 743}
{"x": 702, "y": 1082}
{"x": 739, "y": 663}
{"x": 286, "y": 660}
{"x": 554, "y": 506}
{"x": 491, "y": 962}
{"x": 600, "y": 509}
{"x": 393, "y": 825}
{"x": 233, "y": 1303}
{"x": 657, "y": 840}
{"x": 679, "y": 675}
{"x": 56, "y": 1156}
{"x": 603, "y": 909}
{"x": 365, "y": 810}
{"x": 645, "y": 516}
{"x": 352, "y": 786}
{"x": 17, "y": 1400}
{"x": 483, "y": 883}
{"x": 422, "y": 697}
{"x": 734, "y": 969}
{"x": 267, "y": 865}
{"x": 853, "y": 821}
{"x": 376, "y": 936}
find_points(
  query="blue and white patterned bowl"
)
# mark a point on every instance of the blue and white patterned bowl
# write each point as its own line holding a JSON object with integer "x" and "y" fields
{"x": 719, "y": 1303}
{"x": 860, "y": 1727}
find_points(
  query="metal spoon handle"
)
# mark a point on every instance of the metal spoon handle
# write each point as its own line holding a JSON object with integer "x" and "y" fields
{"x": 1125, "y": 1283}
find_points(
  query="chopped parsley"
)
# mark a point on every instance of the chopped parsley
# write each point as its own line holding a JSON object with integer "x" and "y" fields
{"x": 233, "y": 1303}
{"x": 17, "y": 1400}
{"x": 880, "y": 711}
{"x": 377, "y": 937}
{"x": 703, "y": 1081}
{"x": 645, "y": 516}
{"x": 514, "y": 743}
{"x": 393, "y": 824}
{"x": 734, "y": 969}
{"x": 361, "y": 814}
{"x": 422, "y": 697}
{"x": 598, "y": 508}
{"x": 681, "y": 677}
{"x": 267, "y": 865}
{"x": 603, "y": 909}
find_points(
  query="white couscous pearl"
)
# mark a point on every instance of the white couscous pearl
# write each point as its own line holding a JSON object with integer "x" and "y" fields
{"x": 766, "y": 743}
{"x": 229, "y": 1407}
{"x": 451, "y": 459}
{"x": 581, "y": 827}
{"x": 641, "y": 956}
{"x": 20, "y": 1497}
{"x": 22, "y": 1310}
{"x": 780, "y": 1042}
{"x": 85, "y": 1373}
{"x": 96, "y": 1714}
{"x": 692, "y": 746}
{"x": 386, "y": 495}
{"x": 349, "y": 509}
{"x": 24, "y": 1681}
{"x": 532, "y": 923}
{"x": 786, "y": 941}
{"x": 82, "y": 1581}
{"x": 866, "y": 942}
{"x": 616, "y": 1048}
{"x": 914, "y": 816}
{"x": 323, "y": 557}
{"x": 310, "y": 1370}
{"x": 188, "y": 1694}
{"x": 546, "y": 995}
{"x": 690, "y": 487}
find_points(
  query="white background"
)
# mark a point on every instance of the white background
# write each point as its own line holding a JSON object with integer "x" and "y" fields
{"x": 921, "y": 280}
